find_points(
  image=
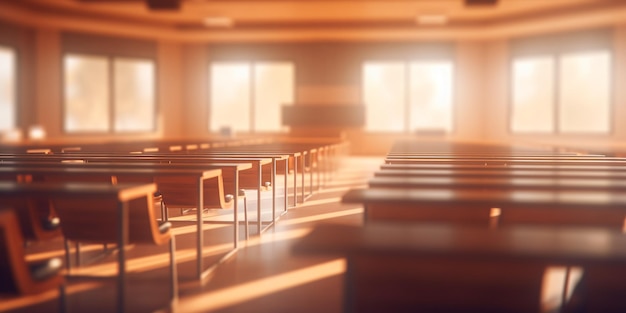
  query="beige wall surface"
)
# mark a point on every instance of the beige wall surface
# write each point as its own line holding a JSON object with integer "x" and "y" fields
{"x": 327, "y": 73}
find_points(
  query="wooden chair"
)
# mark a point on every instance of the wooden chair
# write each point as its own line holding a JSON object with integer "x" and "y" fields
{"x": 179, "y": 192}
{"x": 18, "y": 276}
{"x": 86, "y": 219}
{"x": 37, "y": 219}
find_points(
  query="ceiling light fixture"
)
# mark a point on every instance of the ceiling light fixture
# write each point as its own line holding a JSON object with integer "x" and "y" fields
{"x": 432, "y": 19}
{"x": 218, "y": 21}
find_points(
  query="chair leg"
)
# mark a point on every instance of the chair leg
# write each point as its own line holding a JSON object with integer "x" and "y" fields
{"x": 78, "y": 254}
{"x": 242, "y": 195}
{"x": 62, "y": 298}
{"x": 173, "y": 270}
{"x": 67, "y": 255}
{"x": 245, "y": 209}
{"x": 164, "y": 214}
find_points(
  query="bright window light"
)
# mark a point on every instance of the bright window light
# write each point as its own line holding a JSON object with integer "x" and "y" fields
{"x": 134, "y": 95}
{"x": 7, "y": 88}
{"x": 384, "y": 93}
{"x": 230, "y": 96}
{"x": 431, "y": 96}
{"x": 584, "y": 92}
{"x": 273, "y": 88}
{"x": 533, "y": 94}
{"x": 248, "y": 97}
{"x": 86, "y": 94}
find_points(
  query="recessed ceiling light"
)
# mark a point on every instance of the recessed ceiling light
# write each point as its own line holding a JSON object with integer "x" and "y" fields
{"x": 218, "y": 21}
{"x": 432, "y": 19}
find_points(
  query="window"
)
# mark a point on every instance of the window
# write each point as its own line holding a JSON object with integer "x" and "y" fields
{"x": 7, "y": 89}
{"x": 584, "y": 92}
{"x": 108, "y": 94}
{"x": 533, "y": 94}
{"x": 384, "y": 92}
{"x": 407, "y": 97}
{"x": 248, "y": 97}
{"x": 562, "y": 85}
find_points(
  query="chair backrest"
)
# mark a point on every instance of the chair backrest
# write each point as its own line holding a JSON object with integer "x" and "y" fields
{"x": 15, "y": 272}
{"x": 36, "y": 218}
{"x": 96, "y": 219}
{"x": 181, "y": 192}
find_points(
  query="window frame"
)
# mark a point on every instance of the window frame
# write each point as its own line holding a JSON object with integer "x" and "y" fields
{"x": 16, "y": 82}
{"x": 251, "y": 65}
{"x": 110, "y": 59}
{"x": 555, "y": 46}
{"x": 407, "y": 105}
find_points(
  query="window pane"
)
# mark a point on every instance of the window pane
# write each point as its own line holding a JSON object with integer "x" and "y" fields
{"x": 134, "y": 95}
{"x": 584, "y": 92}
{"x": 273, "y": 87}
{"x": 431, "y": 96}
{"x": 7, "y": 89}
{"x": 230, "y": 96}
{"x": 86, "y": 93}
{"x": 384, "y": 95}
{"x": 533, "y": 95}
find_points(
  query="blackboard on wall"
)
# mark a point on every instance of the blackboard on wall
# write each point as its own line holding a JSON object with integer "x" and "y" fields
{"x": 323, "y": 115}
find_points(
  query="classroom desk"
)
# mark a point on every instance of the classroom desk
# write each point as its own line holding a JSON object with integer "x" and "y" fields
{"x": 297, "y": 152}
{"x": 277, "y": 156}
{"x": 504, "y": 173}
{"x": 487, "y": 157}
{"x": 544, "y": 167}
{"x": 150, "y": 171}
{"x": 275, "y": 159}
{"x": 499, "y": 183}
{"x": 124, "y": 193}
{"x": 492, "y": 207}
{"x": 257, "y": 164}
{"x": 503, "y": 162}
{"x": 256, "y": 182}
{"x": 164, "y": 157}
{"x": 415, "y": 263}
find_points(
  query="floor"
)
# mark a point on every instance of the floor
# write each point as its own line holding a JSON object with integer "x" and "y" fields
{"x": 263, "y": 276}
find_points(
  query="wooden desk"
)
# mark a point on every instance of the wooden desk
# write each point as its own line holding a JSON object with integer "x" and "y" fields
{"x": 503, "y": 173}
{"x": 124, "y": 193}
{"x": 297, "y": 152}
{"x": 499, "y": 183}
{"x": 545, "y": 167}
{"x": 150, "y": 171}
{"x": 253, "y": 181}
{"x": 411, "y": 267}
{"x": 503, "y": 162}
{"x": 471, "y": 206}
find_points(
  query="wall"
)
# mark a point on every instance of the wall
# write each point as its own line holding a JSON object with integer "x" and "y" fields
{"x": 497, "y": 101}
{"x": 327, "y": 73}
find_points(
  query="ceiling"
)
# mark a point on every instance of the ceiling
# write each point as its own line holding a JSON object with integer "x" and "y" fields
{"x": 234, "y": 20}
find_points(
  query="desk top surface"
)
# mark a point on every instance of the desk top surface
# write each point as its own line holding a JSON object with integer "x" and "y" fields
{"x": 123, "y": 191}
{"x": 77, "y": 163}
{"x": 499, "y": 182}
{"x": 566, "y": 245}
{"x": 547, "y": 199}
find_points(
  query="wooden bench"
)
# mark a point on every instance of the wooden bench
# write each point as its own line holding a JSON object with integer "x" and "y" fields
{"x": 444, "y": 268}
